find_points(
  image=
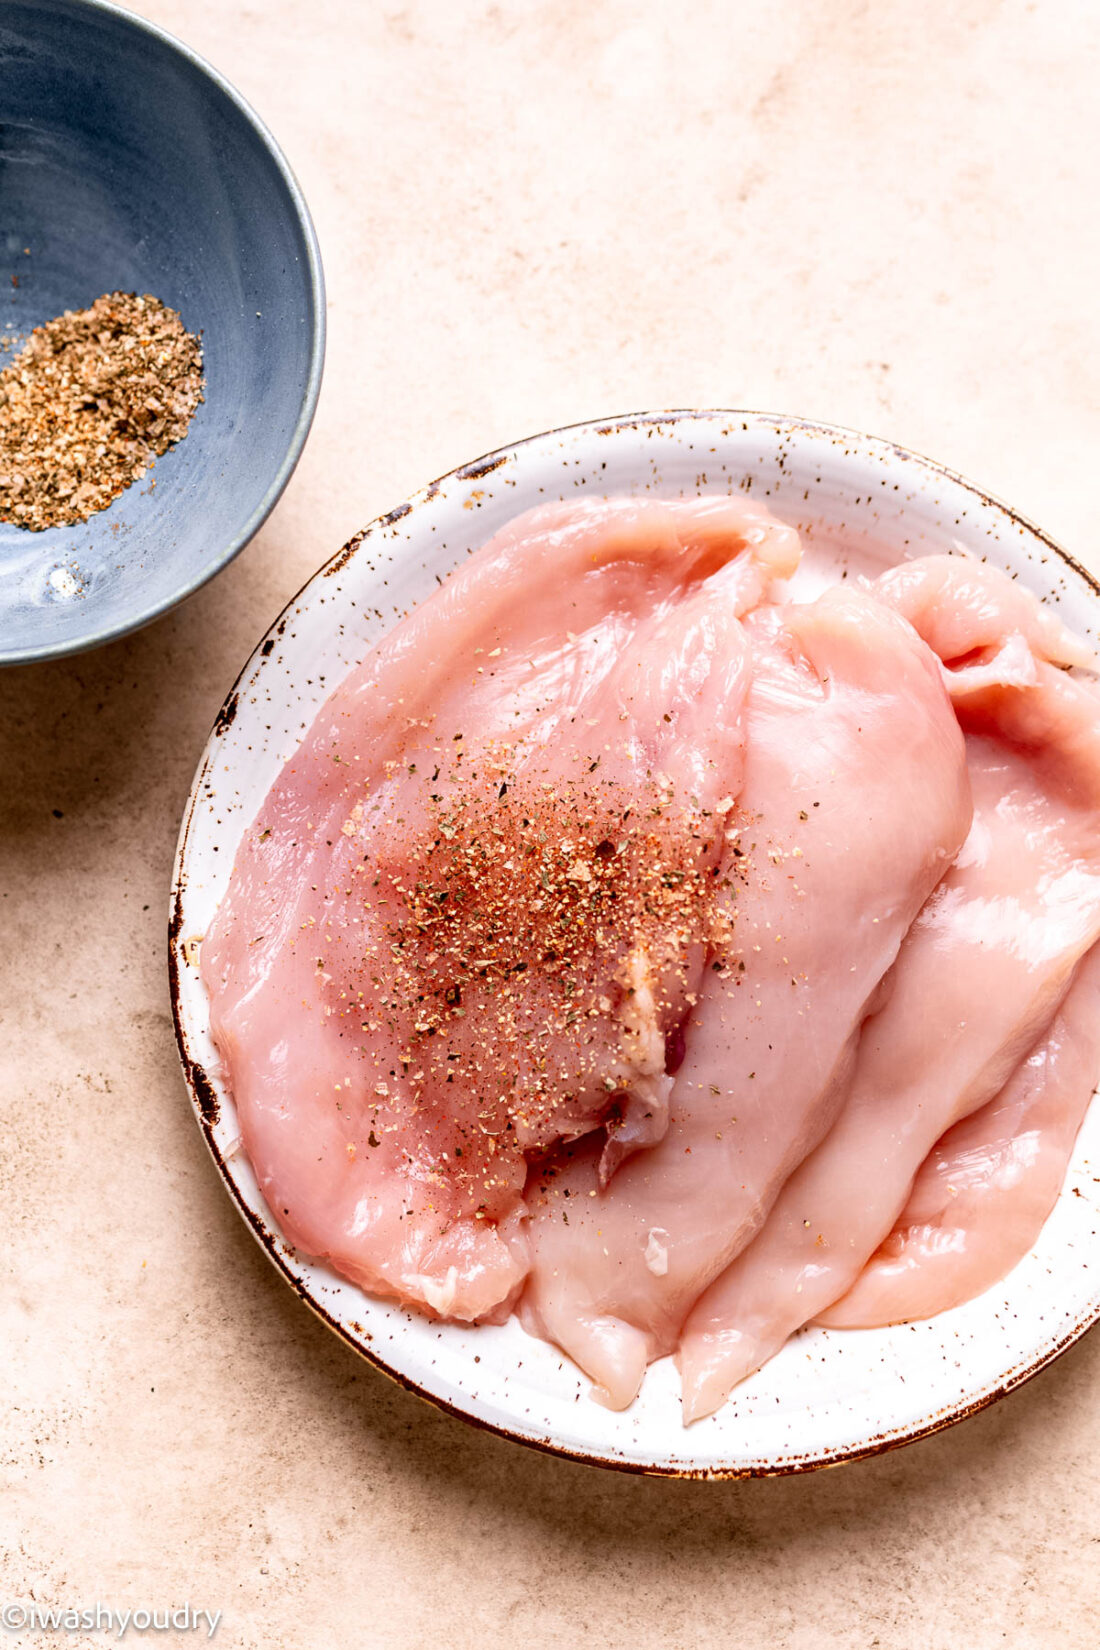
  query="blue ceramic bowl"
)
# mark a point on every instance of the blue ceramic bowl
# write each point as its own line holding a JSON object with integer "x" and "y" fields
{"x": 127, "y": 163}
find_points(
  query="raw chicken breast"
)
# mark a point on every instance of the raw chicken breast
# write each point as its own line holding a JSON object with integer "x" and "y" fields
{"x": 966, "y": 609}
{"x": 977, "y": 980}
{"x": 477, "y": 901}
{"x": 855, "y": 799}
{"x": 982, "y": 1196}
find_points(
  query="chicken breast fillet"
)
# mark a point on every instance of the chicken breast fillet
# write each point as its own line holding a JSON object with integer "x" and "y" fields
{"x": 977, "y": 980}
{"x": 855, "y": 799}
{"x": 476, "y": 902}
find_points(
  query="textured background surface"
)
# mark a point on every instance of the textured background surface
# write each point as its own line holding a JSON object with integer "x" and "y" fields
{"x": 883, "y": 215}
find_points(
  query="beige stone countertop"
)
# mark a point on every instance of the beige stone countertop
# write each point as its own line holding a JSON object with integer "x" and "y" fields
{"x": 882, "y": 215}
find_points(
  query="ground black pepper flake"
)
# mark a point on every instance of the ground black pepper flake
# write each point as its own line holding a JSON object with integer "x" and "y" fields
{"x": 89, "y": 403}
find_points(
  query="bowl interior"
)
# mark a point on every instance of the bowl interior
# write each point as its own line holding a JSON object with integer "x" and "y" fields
{"x": 126, "y": 165}
{"x": 828, "y": 1396}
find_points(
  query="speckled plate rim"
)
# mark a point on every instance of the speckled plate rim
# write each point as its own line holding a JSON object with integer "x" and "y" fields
{"x": 211, "y": 1099}
{"x": 304, "y": 421}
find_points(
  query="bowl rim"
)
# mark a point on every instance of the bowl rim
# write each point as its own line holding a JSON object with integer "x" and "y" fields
{"x": 317, "y": 324}
{"x": 202, "y": 1092}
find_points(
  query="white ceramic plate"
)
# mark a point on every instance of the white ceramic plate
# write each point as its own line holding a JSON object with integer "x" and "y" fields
{"x": 830, "y": 1395}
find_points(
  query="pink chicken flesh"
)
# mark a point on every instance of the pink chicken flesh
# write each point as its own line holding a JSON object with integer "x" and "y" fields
{"x": 980, "y": 1199}
{"x": 836, "y": 847}
{"x": 978, "y": 978}
{"x": 673, "y": 964}
{"x": 442, "y": 947}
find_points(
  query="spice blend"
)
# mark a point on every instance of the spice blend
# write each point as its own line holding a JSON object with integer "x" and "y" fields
{"x": 89, "y": 403}
{"x": 534, "y": 936}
